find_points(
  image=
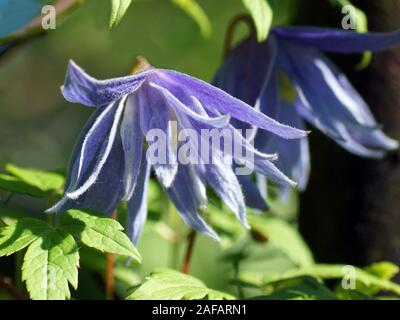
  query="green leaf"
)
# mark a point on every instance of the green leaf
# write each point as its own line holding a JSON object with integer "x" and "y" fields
{"x": 384, "y": 270}
{"x": 353, "y": 295}
{"x": 326, "y": 271}
{"x": 118, "y": 10}
{"x": 50, "y": 263}
{"x": 193, "y": 9}
{"x": 262, "y": 15}
{"x": 304, "y": 288}
{"x": 284, "y": 10}
{"x": 103, "y": 234}
{"x": 43, "y": 180}
{"x": 20, "y": 233}
{"x": 15, "y": 185}
{"x": 166, "y": 284}
{"x": 284, "y": 236}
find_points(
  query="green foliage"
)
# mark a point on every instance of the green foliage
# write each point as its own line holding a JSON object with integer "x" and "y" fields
{"x": 298, "y": 288}
{"x": 33, "y": 182}
{"x": 262, "y": 15}
{"x": 284, "y": 10}
{"x": 50, "y": 263}
{"x": 15, "y": 185}
{"x": 363, "y": 277}
{"x": 103, "y": 234}
{"x": 284, "y": 236}
{"x": 366, "y": 284}
{"x": 195, "y": 11}
{"x": 20, "y": 233}
{"x": 52, "y": 258}
{"x": 118, "y": 10}
{"x": 166, "y": 284}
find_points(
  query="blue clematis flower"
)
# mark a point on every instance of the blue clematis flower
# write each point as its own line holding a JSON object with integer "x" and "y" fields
{"x": 110, "y": 162}
{"x": 323, "y": 96}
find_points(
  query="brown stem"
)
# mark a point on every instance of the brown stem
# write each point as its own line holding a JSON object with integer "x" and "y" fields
{"x": 189, "y": 252}
{"x": 110, "y": 265}
{"x": 7, "y": 285}
{"x": 139, "y": 65}
{"x": 231, "y": 31}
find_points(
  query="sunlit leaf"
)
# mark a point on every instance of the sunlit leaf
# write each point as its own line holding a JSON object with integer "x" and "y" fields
{"x": 103, "y": 234}
{"x": 384, "y": 270}
{"x": 262, "y": 15}
{"x": 326, "y": 271}
{"x": 298, "y": 288}
{"x": 166, "y": 284}
{"x": 15, "y": 185}
{"x": 195, "y": 11}
{"x": 284, "y": 10}
{"x": 20, "y": 233}
{"x": 50, "y": 263}
{"x": 284, "y": 236}
{"x": 45, "y": 181}
{"x": 118, "y": 10}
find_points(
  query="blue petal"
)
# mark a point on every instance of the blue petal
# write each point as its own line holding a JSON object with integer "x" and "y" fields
{"x": 218, "y": 122}
{"x": 90, "y": 179}
{"x": 346, "y": 140}
{"x": 154, "y": 115}
{"x": 103, "y": 116}
{"x": 341, "y": 41}
{"x": 246, "y": 75}
{"x": 245, "y": 70}
{"x": 184, "y": 194}
{"x": 137, "y": 205}
{"x": 98, "y": 197}
{"x": 216, "y": 100}
{"x": 225, "y": 184}
{"x": 326, "y": 88}
{"x": 81, "y": 88}
{"x": 132, "y": 141}
{"x": 260, "y": 161}
{"x": 294, "y": 157}
{"x": 252, "y": 195}
{"x": 374, "y": 140}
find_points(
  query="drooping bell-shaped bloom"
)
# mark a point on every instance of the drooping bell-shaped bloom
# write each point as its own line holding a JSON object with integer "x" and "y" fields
{"x": 257, "y": 73}
{"x": 111, "y": 160}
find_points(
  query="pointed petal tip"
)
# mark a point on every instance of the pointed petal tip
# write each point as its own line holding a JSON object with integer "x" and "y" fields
{"x": 214, "y": 236}
{"x": 245, "y": 224}
{"x": 294, "y": 133}
{"x": 392, "y": 145}
{"x": 166, "y": 178}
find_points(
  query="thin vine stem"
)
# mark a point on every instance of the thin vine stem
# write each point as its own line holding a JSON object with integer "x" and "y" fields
{"x": 7, "y": 285}
{"x": 189, "y": 252}
{"x": 110, "y": 266}
{"x": 230, "y": 32}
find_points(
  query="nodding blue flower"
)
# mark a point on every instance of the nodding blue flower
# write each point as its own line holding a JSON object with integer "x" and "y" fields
{"x": 321, "y": 94}
{"x": 110, "y": 161}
